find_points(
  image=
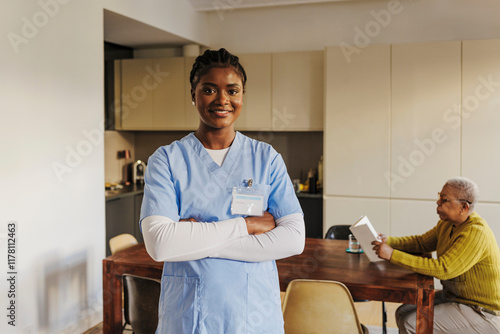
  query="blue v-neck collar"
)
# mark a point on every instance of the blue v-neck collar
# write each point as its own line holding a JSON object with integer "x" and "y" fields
{"x": 221, "y": 172}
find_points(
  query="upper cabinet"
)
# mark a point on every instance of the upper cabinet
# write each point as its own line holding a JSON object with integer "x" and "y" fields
{"x": 256, "y": 111}
{"x": 357, "y": 122}
{"x": 425, "y": 149}
{"x": 480, "y": 116}
{"x": 151, "y": 94}
{"x": 190, "y": 113}
{"x": 284, "y": 92}
{"x": 297, "y": 91}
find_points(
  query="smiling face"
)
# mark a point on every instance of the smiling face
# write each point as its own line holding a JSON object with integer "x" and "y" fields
{"x": 450, "y": 207}
{"x": 218, "y": 97}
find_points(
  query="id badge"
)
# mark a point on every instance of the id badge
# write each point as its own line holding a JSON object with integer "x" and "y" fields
{"x": 248, "y": 200}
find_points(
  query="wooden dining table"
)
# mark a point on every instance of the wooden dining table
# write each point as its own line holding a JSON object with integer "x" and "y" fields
{"x": 321, "y": 259}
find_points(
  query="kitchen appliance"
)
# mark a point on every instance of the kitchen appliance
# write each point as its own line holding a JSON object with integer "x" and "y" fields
{"x": 137, "y": 171}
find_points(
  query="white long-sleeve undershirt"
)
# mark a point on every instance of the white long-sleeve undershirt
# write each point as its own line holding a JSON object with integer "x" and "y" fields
{"x": 171, "y": 241}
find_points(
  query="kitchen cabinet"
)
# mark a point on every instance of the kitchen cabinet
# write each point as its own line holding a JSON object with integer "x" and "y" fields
{"x": 151, "y": 94}
{"x": 191, "y": 114}
{"x": 284, "y": 92}
{"x": 256, "y": 112}
{"x": 168, "y": 97}
{"x": 357, "y": 122}
{"x": 297, "y": 91}
{"x": 312, "y": 207}
{"x": 122, "y": 216}
{"x": 480, "y": 116}
{"x": 136, "y": 102}
{"x": 348, "y": 210}
{"x": 425, "y": 148}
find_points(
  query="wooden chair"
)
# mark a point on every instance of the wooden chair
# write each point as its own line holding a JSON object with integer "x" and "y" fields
{"x": 341, "y": 232}
{"x": 142, "y": 295}
{"x": 121, "y": 241}
{"x": 318, "y": 306}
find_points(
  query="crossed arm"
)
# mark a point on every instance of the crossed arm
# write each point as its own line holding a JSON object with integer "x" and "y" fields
{"x": 246, "y": 239}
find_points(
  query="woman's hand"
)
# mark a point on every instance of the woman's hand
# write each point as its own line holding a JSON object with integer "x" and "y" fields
{"x": 188, "y": 220}
{"x": 383, "y": 250}
{"x": 258, "y": 225}
{"x": 382, "y": 237}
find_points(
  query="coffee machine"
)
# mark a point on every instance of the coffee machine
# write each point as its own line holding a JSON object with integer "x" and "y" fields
{"x": 136, "y": 174}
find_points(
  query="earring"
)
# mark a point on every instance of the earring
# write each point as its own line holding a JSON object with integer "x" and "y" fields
{"x": 193, "y": 103}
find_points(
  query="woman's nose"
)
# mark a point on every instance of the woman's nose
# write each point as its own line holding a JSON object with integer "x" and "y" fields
{"x": 222, "y": 98}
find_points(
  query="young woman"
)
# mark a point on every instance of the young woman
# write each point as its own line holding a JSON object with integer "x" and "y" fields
{"x": 219, "y": 248}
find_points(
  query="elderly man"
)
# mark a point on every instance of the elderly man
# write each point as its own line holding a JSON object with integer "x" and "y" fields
{"x": 467, "y": 263}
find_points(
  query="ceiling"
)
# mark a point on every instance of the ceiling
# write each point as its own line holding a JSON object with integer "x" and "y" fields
{"x": 214, "y": 5}
{"x": 122, "y": 30}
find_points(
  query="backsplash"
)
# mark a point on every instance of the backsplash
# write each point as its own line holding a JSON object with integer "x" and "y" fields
{"x": 300, "y": 150}
{"x": 116, "y": 168}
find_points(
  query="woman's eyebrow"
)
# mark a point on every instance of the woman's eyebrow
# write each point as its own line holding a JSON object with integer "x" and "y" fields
{"x": 215, "y": 85}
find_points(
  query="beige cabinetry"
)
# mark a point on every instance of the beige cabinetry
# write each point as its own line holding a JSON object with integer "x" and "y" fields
{"x": 150, "y": 94}
{"x": 297, "y": 91}
{"x": 135, "y": 93}
{"x": 357, "y": 122}
{"x": 480, "y": 117}
{"x": 441, "y": 121}
{"x": 284, "y": 92}
{"x": 168, "y": 98}
{"x": 191, "y": 114}
{"x": 425, "y": 149}
{"x": 256, "y": 112}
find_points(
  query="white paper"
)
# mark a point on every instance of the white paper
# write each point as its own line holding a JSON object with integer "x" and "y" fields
{"x": 365, "y": 233}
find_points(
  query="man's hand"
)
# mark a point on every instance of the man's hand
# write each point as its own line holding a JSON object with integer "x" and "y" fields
{"x": 383, "y": 250}
{"x": 258, "y": 225}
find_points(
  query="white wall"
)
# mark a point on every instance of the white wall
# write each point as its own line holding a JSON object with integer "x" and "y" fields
{"x": 51, "y": 94}
{"x": 312, "y": 27}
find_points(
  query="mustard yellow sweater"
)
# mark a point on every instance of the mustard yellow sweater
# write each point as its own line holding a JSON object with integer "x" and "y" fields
{"x": 468, "y": 260}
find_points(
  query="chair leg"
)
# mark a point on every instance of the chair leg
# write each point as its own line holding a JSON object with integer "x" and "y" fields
{"x": 384, "y": 319}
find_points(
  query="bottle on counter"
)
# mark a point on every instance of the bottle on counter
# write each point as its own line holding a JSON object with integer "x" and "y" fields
{"x": 320, "y": 173}
{"x": 312, "y": 178}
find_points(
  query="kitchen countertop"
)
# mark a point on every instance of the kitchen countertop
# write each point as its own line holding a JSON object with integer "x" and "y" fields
{"x": 129, "y": 190}
{"x": 139, "y": 189}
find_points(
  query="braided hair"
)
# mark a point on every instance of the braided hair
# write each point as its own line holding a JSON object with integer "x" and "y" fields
{"x": 215, "y": 59}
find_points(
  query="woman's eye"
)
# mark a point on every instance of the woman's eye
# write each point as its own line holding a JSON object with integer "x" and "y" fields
{"x": 208, "y": 90}
{"x": 233, "y": 91}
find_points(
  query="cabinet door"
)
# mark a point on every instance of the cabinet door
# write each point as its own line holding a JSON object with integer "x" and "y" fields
{"x": 119, "y": 218}
{"x": 256, "y": 112}
{"x": 168, "y": 97}
{"x": 347, "y": 210}
{"x": 426, "y": 79}
{"x": 137, "y": 217}
{"x": 357, "y": 122}
{"x": 191, "y": 114}
{"x": 480, "y": 116}
{"x": 137, "y": 88}
{"x": 297, "y": 91}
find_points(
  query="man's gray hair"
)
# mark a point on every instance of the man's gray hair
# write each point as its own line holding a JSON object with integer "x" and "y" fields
{"x": 466, "y": 189}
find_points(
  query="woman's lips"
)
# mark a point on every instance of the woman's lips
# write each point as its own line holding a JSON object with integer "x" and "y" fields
{"x": 221, "y": 112}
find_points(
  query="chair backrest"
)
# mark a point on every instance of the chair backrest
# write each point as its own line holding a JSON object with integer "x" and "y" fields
{"x": 316, "y": 306}
{"x": 339, "y": 232}
{"x": 141, "y": 298}
{"x": 121, "y": 241}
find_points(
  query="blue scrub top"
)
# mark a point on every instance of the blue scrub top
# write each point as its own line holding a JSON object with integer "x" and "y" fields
{"x": 214, "y": 295}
